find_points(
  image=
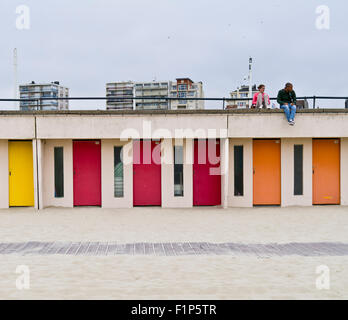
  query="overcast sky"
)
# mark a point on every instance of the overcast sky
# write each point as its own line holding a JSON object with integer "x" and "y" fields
{"x": 86, "y": 43}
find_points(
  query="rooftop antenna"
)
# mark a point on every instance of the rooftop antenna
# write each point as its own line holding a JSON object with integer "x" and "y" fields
{"x": 15, "y": 68}
{"x": 250, "y": 80}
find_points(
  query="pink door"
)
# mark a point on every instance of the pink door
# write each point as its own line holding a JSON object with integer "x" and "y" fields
{"x": 146, "y": 173}
{"x": 87, "y": 173}
{"x": 206, "y": 173}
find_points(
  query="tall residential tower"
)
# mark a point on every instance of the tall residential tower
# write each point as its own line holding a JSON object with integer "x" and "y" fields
{"x": 153, "y": 95}
{"x": 49, "y": 91}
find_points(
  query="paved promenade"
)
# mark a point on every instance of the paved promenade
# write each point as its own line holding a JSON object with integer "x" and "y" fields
{"x": 174, "y": 249}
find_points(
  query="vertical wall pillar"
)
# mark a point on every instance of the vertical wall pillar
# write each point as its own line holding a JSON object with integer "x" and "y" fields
{"x": 167, "y": 173}
{"x": 4, "y": 172}
{"x": 246, "y": 199}
{"x": 224, "y": 153}
{"x": 48, "y": 179}
{"x": 169, "y": 200}
{"x": 108, "y": 188}
{"x": 40, "y": 147}
{"x": 344, "y": 171}
{"x": 35, "y": 174}
{"x": 188, "y": 172}
{"x": 287, "y": 172}
{"x": 38, "y": 173}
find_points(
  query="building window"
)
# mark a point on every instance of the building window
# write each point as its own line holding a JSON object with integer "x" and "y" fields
{"x": 178, "y": 171}
{"x": 182, "y": 87}
{"x": 298, "y": 169}
{"x": 118, "y": 172}
{"x": 58, "y": 173}
{"x": 238, "y": 171}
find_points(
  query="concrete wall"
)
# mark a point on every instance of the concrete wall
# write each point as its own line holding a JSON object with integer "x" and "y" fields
{"x": 111, "y": 127}
{"x": 107, "y": 154}
{"x": 287, "y": 173}
{"x": 247, "y": 199}
{"x": 317, "y": 123}
{"x": 60, "y": 129}
{"x": 17, "y": 127}
{"x": 4, "y": 172}
{"x": 274, "y": 125}
{"x": 48, "y": 174}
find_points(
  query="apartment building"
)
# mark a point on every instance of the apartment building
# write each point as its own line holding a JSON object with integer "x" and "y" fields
{"x": 184, "y": 89}
{"x": 153, "y": 95}
{"x": 242, "y": 92}
{"x": 116, "y": 90}
{"x": 44, "y": 96}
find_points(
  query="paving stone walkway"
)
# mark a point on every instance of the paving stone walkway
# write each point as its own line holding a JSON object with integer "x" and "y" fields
{"x": 174, "y": 249}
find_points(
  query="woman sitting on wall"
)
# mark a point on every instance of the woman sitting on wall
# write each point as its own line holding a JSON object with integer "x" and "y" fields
{"x": 261, "y": 99}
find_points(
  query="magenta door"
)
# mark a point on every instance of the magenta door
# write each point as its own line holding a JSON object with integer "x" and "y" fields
{"x": 87, "y": 173}
{"x": 146, "y": 173}
{"x": 206, "y": 173}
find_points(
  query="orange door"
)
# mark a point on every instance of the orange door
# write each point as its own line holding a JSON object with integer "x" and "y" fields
{"x": 326, "y": 171}
{"x": 266, "y": 166}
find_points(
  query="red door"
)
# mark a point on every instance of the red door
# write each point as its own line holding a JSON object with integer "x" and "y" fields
{"x": 87, "y": 173}
{"x": 146, "y": 173}
{"x": 206, "y": 173}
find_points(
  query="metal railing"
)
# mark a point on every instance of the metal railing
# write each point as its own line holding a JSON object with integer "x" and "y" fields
{"x": 38, "y": 102}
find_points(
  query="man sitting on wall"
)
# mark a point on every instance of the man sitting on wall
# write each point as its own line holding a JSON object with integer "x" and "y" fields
{"x": 287, "y": 100}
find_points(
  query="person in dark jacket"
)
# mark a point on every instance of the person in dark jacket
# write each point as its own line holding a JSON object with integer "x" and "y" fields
{"x": 287, "y": 100}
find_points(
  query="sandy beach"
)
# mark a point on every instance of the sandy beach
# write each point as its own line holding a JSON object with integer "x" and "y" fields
{"x": 182, "y": 277}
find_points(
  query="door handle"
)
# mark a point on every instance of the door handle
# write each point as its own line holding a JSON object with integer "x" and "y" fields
{"x": 10, "y": 173}
{"x": 253, "y": 170}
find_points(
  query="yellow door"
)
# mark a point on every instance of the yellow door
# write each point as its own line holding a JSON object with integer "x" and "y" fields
{"x": 21, "y": 175}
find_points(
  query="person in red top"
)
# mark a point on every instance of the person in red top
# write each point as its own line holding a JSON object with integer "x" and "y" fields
{"x": 261, "y": 99}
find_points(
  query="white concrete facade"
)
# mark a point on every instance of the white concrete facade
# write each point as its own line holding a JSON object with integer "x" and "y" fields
{"x": 47, "y": 190}
{"x": 287, "y": 172}
{"x": 48, "y": 130}
{"x": 167, "y": 171}
{"x": 4, "y": 192}
{"x": 246, "y": 200}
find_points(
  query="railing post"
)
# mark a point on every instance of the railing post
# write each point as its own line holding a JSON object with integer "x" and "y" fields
{"x": 314, "y": 100}
{"x": 223, "y": 103}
